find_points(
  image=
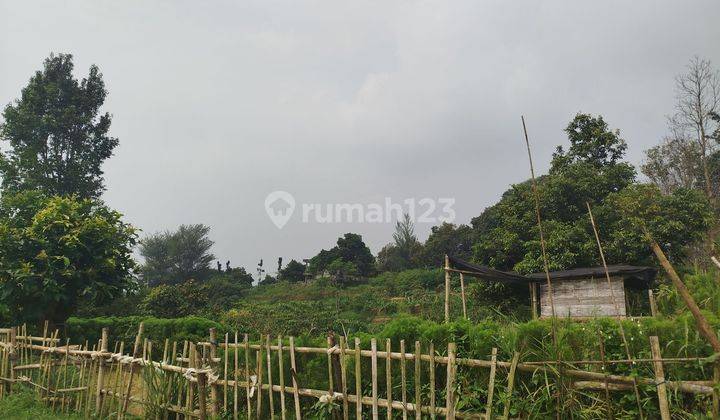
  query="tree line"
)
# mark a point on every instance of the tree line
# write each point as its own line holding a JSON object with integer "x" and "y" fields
{"x": 62, "y": 247}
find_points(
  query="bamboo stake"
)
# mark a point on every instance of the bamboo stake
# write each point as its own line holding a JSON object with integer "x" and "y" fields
{"x": 450, "y": 390}
{"x": 533, "y": 299}
{"x": 432, "y": 380}
{"x": 511, "y": 384}
{"x": 271, "y": 402}
{"x": 118, "y": 379}
{"x": 235, "y": 377}
{"x": 201, "y": 382}
{"x": 281, "y": 378}
{"x": 462, "y": 293}
{"x": 491, "y": 384}
{"x": 358, "y": 383}
{"x": 653, "y": 304}
{"x": 374, "y": 372}
{"x": 135, "y": 354}
{"x": 328, "y": 346}
{"x": 225, "y": 372}
{"x": 214, "y": 392}
{"x": 388, "y": 376}
{"x": 343, "y": 377}
{"x": 702, "y": 323}
{"x": 259, "y": 367}
{"x": 403, "y": 381}
{"x": 604, "y": 368}
{"x": 101, "y": 372}
{"x": 293, "y": 371}
{"x": 447, "y": 288}
{"x": 246, "y": 343}
{"x": 660, "y": 379}
{"x": 65, "y": 372}
{"x": 417, "y": 365}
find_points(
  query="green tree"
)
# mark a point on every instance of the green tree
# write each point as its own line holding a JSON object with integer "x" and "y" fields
{"x": 55, "y": 252}
{"x": 293, "y": 272}
{"x": 350, "y": 248}
{"x": 165, "y": 302}
{"x": 175, "y": 257}
{"x": 57, "y": 136}
{"x": 507, "y": 233}
{"x": 447, "y": 239}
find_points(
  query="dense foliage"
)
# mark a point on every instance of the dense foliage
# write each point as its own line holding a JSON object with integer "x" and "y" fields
{"x": 57, "y": 135}
{"x": 58, "y": 251}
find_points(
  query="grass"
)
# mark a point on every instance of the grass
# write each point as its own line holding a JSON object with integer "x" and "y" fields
{"x": 25, "y": 405}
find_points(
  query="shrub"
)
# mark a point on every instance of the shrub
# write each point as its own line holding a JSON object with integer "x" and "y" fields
{"x": 156, "y": 329}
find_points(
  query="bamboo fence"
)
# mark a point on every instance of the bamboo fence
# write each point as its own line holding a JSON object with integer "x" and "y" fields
{"x": 232, "y": 376}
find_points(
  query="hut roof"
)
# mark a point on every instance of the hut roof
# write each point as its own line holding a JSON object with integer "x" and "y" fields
{"x": 638, "y": 276}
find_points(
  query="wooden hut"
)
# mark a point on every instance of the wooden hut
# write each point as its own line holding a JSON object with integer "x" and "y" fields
{"x": 586, "y": 292}
{"x": 577, "y": 293}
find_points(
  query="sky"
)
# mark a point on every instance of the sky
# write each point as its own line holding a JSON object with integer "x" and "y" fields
{"x": 218, "y": 104}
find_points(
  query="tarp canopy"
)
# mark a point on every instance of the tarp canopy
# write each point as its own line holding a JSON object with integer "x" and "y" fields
{"x": 639, "y": 276}
{"x": 487, "y": 273}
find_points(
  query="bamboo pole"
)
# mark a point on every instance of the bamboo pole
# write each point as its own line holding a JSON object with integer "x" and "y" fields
{"x": 343, "y": 378}
{"x": 358, "y": 380}
{"x": 417, "y": 364}
{"x": 259, "y": 367}
{"x": 225, "y": 371}
{"x": 271, "y": 399}
{"x": 601, "y": 342}
{"x": 235, "y": 376}
{"x": 462, "y": 293}
{"x": 388, "y": 376}
{"x": 702, "y": 323}
{"x": 533, "y": 299}
{"x": 653, "y": 305}
{"x": 328, "y": 346}
{"x": 432, "y": 379}
{"x": 447, "y": 288}
{"x": 201, "y": 384}
{"x": 101, "y": 372}
{"x": 660, "y": 379}
{"x": 293, "y": 371}
{"x": 135, "y": 354}
{"x": 281, "y": 378}
{"x": 214, "y": 391}
{"x": 246, "y": 343}
{"x": 491, "y": 384}
{"x": 374, "y": 373}
{"x": 450, "y": 384}
{"x": 511, "y": 385}
{"x": 403, "y": 381}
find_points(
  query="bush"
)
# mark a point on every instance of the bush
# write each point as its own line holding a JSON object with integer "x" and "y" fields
{"x": 190, "y": 328}
{"x": 165, "y": 302}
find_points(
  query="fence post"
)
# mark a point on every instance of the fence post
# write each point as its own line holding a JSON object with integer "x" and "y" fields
{"x": 358, "y": 380}
{"x": 293, "y": 372}
{"x": 12, "y": 354}
{"x": 491, "y": 384}
{"x": 447, "y": 288}
{"x": 511, "y": 384}
{"x": 101, "y": 372}
{"x": 653, "y": 304}
{"x": 659, "y": 378}
{"x": 135, "y": 355}
{"x": 214, "y": 394}
{"x": 450, "y": 390}
{"x": 201, "y": 383}
{"x": 374, "y": 373}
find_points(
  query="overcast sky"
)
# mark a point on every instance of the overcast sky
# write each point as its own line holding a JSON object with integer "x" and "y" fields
{"x": 217, "y": 104}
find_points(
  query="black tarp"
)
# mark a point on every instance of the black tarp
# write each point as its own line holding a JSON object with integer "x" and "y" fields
{"x": 637, "y": 276}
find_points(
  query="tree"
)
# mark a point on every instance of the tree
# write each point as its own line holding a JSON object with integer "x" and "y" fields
{"x": 698, "y": 98}
{"x": 57, "y": 136}
{"x": 174, "y": 257}
{"x": 507, "y": 233}
{"x": 592, "y": 142}
{"x": 165, "y": 301}
{"x": 293, "y": 272}
{"x": 349, "y": 248}
{"x": 58, "y": 251}
{"x": 447, "y": 239}
{"x": 675, "y": 163}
